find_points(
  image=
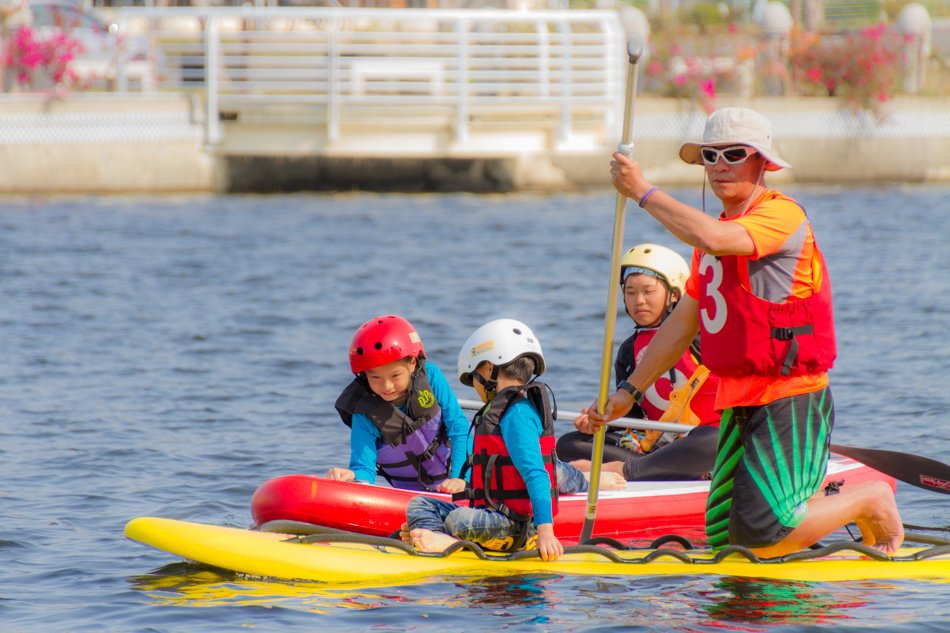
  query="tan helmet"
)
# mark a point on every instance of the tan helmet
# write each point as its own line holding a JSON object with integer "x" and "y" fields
{"x": 666, "y": 263}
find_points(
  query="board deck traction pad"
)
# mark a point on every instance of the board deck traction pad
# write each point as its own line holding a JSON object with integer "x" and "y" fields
{"x": 655, "y": 550}
{"x": 344, "y": 558}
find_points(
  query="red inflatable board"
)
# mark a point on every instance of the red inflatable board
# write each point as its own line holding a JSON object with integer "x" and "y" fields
{"x": 645, "y": 510}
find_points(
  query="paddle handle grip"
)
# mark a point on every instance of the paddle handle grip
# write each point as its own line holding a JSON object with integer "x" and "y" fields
{"x": 634, "y": 50}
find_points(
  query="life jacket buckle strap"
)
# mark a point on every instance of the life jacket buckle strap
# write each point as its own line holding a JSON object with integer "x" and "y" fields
{"x": 466, "y": 495}
{"x": 790, "y": 358}
{"x": 788, "y": 333}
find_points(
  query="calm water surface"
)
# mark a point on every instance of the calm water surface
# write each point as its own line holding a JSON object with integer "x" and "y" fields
{"x": 165, "y": 356}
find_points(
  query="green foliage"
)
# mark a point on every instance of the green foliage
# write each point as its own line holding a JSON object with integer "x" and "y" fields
{"x": 710, "y": 15}
{"x": 841, "y": 14}
{"x": 936, "y": 8}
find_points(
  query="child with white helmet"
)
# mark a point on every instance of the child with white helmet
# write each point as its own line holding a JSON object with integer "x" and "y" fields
{"x": 652, "y": 279}
{"x": 513, "y": 491}
{"x": 405, "y": 421}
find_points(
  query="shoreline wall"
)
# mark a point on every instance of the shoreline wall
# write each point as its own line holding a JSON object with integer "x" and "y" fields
{"x": 101, "y": 144}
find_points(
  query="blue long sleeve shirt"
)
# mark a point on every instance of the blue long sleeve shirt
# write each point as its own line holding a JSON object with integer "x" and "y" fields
{"x": 521, "y": 430}
{"x": 364, "y": 436}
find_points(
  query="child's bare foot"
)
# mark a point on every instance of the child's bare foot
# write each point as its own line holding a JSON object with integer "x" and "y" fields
{"x": 429, "y": 541}
{"x": 881, "y": 525}
{"x": 612, "y": 481}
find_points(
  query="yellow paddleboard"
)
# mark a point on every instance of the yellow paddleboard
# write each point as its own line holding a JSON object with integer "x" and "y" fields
{"x": 270, "y": 555}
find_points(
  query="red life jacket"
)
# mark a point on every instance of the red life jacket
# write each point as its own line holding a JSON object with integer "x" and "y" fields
{"x": 496, "y": 483}
{"x": 744, "y": 335}
{"x": 657, "y": 398}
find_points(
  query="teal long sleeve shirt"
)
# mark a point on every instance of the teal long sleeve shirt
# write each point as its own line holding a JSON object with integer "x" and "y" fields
{"x": 521, "y": 430}
{"x": 364, "y": 436}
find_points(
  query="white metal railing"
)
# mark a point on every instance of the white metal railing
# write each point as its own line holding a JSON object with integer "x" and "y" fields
{"x": 333, "y": 64}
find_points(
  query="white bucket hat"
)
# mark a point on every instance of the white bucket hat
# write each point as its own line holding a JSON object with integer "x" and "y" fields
{"x": 735, "y": 126}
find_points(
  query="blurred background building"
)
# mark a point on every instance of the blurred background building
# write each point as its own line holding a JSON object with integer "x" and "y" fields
{"x": 505, "y": 92}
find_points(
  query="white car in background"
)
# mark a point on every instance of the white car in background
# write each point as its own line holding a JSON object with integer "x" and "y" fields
{"x": 104, "y": 49}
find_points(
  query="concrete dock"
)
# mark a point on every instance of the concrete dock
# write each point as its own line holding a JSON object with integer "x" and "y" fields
{"x": 108, "y": 143}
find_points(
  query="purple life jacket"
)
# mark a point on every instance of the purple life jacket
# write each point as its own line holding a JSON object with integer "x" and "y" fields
{"x": 412, "y": 453}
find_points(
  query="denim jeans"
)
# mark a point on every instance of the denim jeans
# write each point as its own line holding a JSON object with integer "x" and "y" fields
{"x": 570, "y": 479}
{"x": 486, "y": 527}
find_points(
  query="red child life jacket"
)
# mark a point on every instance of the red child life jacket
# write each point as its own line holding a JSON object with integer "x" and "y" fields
{"x": 496, "y": 483}
{"x": 742, "y": 334}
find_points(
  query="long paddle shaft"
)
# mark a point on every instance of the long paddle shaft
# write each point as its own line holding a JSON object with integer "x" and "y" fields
{"x": 634, "y": 50}
{"x": 624, "y": 423}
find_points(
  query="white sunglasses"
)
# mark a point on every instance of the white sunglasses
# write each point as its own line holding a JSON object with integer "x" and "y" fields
{"x": 734, "y": 155}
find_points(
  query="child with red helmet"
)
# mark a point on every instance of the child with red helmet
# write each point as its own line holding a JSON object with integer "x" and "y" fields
{"x": 406, "y": 424}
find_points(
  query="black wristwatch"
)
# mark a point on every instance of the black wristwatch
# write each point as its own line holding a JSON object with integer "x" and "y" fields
{"x": 633, "y": 391}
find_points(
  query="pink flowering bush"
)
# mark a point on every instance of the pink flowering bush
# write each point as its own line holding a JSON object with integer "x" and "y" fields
{"x": 708, "y": 65}
{"x": 862, "y": 67}
{"x": 36, "y": 62}
{"x": 671, "y": 73}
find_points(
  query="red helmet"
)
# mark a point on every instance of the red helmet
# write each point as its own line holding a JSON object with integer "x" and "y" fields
{"x": 382, "y": 340}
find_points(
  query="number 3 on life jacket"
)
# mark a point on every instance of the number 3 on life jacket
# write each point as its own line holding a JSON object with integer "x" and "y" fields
{"x": 679, "y": 410}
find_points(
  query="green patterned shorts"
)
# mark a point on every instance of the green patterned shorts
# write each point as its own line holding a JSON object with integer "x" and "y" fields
{"x": 771, "y": 459}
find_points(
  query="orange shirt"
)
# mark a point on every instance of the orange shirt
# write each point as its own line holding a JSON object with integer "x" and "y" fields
{"x": 771, "y": 221}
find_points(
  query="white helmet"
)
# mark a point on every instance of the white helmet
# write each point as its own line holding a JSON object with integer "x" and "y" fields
{"x": 499, "y": 342}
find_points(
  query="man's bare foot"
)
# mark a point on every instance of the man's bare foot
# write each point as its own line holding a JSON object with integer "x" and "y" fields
{"x": 870, "y": 505}
{"x": 880, "y": 524}
{"x": 404, "y": 534}
{"x": 429, "y": 541}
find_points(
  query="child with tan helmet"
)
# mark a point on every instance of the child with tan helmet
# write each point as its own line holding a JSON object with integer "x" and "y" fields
{"x": 652, "y": 278}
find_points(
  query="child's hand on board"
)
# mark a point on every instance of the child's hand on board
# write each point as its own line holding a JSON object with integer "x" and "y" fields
{"x": 549, "y": 548}
{"x": 451, "y": 486}
{"x": 341, "y": 474}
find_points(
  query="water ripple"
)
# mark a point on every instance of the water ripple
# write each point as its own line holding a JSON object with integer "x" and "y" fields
{"x": 164, "y": 356}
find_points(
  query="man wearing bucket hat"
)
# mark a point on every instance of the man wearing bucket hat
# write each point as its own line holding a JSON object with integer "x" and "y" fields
{"x": 759, "y": 295}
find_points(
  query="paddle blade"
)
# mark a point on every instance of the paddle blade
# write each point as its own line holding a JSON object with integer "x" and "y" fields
{"x": 915, "y": 470}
